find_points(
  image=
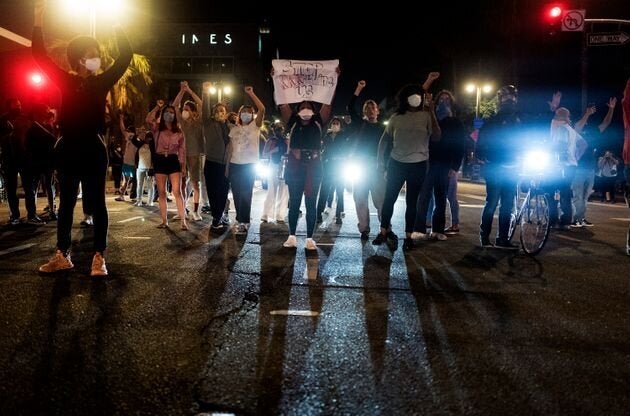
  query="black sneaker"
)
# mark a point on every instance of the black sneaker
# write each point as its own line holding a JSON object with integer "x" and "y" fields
{"x": 393, "y": 238}
{"x": 35, "y": 220}
{"x": 365, "y": 235}
{"x": 338, "y": 221}
{"x": 13, "y": 221}
{"x": 587, "y": 223}
{"x": 408, "y": 244}
{"x": 380, "y": 239}
{"x": 505, "y": 245}
{"x": 485, "y": 242}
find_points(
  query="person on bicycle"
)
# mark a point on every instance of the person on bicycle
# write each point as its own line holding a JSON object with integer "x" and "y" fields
{"x": 498, "y": 149}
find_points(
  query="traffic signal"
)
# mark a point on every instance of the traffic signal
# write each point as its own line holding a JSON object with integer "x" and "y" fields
{"x": 553, "y": 16}
{"x": 36, "y": 79}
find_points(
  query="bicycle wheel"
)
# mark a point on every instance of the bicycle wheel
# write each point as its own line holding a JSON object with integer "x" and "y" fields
{"x": 535, "y": 224}
{"x": 521, "y": 194}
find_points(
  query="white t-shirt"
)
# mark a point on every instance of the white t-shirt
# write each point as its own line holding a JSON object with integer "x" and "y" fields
{"x": 144, "y": 157}
{"x": 245, "y": 141}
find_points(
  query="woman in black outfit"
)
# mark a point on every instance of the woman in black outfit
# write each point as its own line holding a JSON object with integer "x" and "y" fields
{"x": 80, "y": 154}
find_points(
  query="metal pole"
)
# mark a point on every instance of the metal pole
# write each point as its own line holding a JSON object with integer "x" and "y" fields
{"x": 477, "y": 103}
{"x": 584, "y": 71}
{"x": 93, "y": 20}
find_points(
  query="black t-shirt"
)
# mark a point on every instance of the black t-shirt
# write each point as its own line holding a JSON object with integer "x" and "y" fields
{"x": 305, "y": 136}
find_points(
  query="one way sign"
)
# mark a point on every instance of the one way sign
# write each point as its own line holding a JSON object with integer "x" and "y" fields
{"x": 603, "y": 39}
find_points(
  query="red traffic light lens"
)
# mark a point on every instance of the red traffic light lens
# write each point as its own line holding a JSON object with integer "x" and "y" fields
{"x": 555, "y": 11}
{"x": 37, "y": 79}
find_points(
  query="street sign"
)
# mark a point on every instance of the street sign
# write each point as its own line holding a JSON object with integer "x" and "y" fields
{"x": 605, "y": 39}
{"x": 573, "y": 20}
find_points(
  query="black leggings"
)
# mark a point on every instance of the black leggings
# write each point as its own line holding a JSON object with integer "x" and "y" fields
{"x": 91, "y": 172}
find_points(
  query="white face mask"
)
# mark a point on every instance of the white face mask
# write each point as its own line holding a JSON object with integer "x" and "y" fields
{"x": 185, "y": 114}
{"x": 335, "y": 128}
{"x": 246, "y": 118}
{"x": 92, "y": 64}
{"x": 306, "y": 114}
{"x": 414, "y": 100}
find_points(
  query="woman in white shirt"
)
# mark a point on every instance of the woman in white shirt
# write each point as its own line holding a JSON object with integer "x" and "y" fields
{"x": 242, "y": 156}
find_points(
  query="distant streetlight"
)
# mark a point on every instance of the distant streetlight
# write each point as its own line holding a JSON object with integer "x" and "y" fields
{"x": 94, "y": 7}
{"x": 478, "y": 89}
{"x": 219, "y": 89}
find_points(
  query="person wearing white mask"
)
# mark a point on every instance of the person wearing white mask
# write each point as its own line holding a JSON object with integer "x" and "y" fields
{"x": 192, "y": 126}
{"x": 81, "y": 154}
{"x": 407, "y": 133}
{"x": 304, "y": 167}
{"x": 243, "y": 153}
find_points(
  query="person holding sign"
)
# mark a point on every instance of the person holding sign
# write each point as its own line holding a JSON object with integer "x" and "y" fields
{"x": 304, "y": 82}
{"x": 304, "y": 169}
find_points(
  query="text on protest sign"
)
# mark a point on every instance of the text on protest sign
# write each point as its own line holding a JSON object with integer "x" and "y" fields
{"x": 296, "y": 81}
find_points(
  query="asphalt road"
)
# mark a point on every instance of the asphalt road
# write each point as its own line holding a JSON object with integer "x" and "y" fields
{"x": 187, "y": 323}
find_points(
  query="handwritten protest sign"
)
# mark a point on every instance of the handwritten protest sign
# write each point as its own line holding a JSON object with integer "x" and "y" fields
{"x": 296, "y": 81}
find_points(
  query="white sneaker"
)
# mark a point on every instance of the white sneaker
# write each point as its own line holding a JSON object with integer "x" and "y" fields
{"x": 310, "y": 244}
{"x": 417, "y": 235}
{"x": 438, "y": 236}
{"x": 196, "y": 216}
{"x": 98, "y": 266}
{"x": 138, "y": 203}
{"x": 291, "y": 242}
{"x": 58, "y": 262}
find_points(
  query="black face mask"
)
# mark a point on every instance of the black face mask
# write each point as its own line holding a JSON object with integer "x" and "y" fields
{"x": 508, "y": 106}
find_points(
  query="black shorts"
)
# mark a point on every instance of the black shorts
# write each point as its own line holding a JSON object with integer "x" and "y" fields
{"x": 166, "y": 164}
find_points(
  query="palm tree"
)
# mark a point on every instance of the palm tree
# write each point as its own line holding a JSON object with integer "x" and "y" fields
{"x": 128, "y": 94}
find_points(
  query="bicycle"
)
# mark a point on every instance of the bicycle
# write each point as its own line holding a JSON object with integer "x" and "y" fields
{"x": 531, "y": 205}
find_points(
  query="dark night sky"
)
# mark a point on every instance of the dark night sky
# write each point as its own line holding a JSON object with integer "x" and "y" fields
{"x": 504, "y": 41}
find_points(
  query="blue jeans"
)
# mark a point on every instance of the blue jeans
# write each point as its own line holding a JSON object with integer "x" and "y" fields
{"x": 582, "y": 187}
{"x": 500, "y": 186}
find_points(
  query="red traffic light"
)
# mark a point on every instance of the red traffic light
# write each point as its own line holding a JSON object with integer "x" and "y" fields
{"x": 36, "y": 79}
{"x": 553, "y": 16}
{"x": 555, "y": 12}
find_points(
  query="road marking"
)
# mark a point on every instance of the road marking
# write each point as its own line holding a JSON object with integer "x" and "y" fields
{"x": 131, "y": 219}
{"x": 16, "y": 248}
{"x": 608, "y": 204}
{"x": 564, "y": 237}
{"x": 6, "y": 234}
{"x": 471, "y": 206}
{"x": 294, "y": 312}
{"x": 477, "y": 197}
{"x": 138, "y": 238}
{"x": 621, "y": 219}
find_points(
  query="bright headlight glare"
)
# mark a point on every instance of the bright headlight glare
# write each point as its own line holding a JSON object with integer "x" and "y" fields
{"x": 536, "y": 160}
{"x": 262, "y": 170}
{"x": 352, "y": 171}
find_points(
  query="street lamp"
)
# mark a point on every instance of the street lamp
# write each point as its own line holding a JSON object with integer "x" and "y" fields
{"x": 94, "y": 7}
{"x": 478, "y": 89}
{"x": 219, "y": 89}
